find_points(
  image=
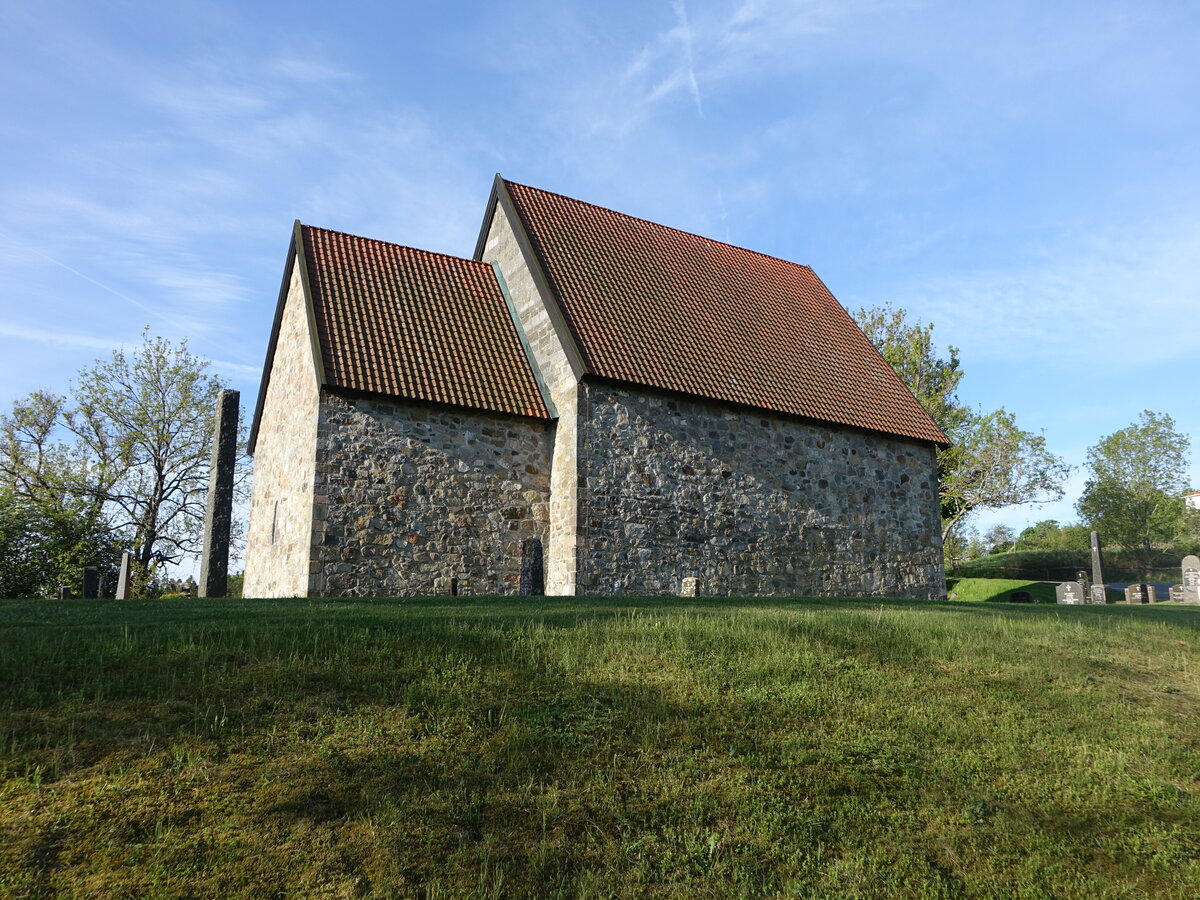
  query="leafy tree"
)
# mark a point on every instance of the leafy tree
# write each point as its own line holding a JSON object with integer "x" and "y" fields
{"x": 908, "y": 348}
{"x": 44, "y": 547}
{"x": 1039, "y": 536}
{"x": 36, "y": 464}
{"x": 1134, "y": 496}
{"x": 19, "y": 549}
{"x": 961, "y": 546}
{"x": 130, "y": 449}
{"x": 146, "y": 423}
{"x": 999, "y": 539}
{"x": 991, "y": 462}
{"x": 1049, "y": 535}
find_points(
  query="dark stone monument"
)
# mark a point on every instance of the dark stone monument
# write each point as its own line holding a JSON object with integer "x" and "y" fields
{"x": 1191, "y": 579}
{"x": 123, "y": 578}
{"x": 1081, "y": 578}
{"x": 64, "y": 592}
{"x": 1020, "y": 597}
{"x": 1098, "y": 595}
{"x": 1138, "y": 593}
{"x": 533, "y": 572}
{"x": 1175, "y": 592}
{"x": 214, "y": 561}
{"x": 1070, "y": 592}
{"x": 91, "y": 583}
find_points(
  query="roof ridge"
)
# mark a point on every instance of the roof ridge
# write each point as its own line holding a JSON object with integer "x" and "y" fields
{"x": 660, "y": 225}
{"x": 362, "y": 237}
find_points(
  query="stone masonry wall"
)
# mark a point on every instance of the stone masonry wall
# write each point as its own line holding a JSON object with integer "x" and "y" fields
{"x": 410, "y": 495}
{"x": 749, "y": 503}
{"x": 503, "y": 248}
{"x": 280, "y": 533}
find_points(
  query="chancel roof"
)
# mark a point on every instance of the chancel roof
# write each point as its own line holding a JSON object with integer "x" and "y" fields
{"x": 654, "y": 306}
{"x": 409, "y": 323}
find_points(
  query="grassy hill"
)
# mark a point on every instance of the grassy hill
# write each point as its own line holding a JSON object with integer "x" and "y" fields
{"x": 1061, "y": 565}
{"x": 597, "y": 747}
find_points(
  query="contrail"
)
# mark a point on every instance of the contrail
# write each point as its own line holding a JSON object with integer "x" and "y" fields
{"x": 686, "y": 29}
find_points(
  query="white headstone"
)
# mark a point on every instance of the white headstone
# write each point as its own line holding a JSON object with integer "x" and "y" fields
{"x": 1191, "y": 579}
{"x": 123, "y": 578}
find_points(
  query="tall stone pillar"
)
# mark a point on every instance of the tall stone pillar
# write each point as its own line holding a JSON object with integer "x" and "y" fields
{"x": 1099, "y": 591}
{"x": 214, "y": 563}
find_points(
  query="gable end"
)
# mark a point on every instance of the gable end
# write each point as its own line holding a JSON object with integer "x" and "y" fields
{"x": 295, "y": 254}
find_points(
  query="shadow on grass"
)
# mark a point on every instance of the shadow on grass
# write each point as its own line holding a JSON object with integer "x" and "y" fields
{"x": 279, "y": 746}
{"x": 550, "y": 610}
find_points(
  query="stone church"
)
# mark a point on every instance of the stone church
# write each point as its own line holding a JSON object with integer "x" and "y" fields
{"x": 659, "y": 412}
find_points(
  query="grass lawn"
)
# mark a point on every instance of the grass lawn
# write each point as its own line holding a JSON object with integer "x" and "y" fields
{"x": 1000, "y": 589}
{"x": 598, "y": 747}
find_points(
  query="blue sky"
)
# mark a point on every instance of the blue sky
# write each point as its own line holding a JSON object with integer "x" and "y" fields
{"x": 1024, "y": 175}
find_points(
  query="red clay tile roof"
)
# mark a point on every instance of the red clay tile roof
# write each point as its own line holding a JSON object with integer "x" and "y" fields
{"x": 663, "y": 308}
{"x": 409, "y": 323}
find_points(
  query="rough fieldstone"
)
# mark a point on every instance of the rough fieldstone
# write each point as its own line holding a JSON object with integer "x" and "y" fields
{"x": 655, "y": 471}
{"x": 218, "y": 514}
{"x": 453, "y": 523}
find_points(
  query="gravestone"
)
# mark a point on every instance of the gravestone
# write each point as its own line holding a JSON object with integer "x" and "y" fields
{"x": 533, "y": 572}
{"x": 1070, "y": 592}
{"x": 1138, "y": 593}
{"x": 91, "y": 583}
{"x": 690, "y": 586}
{"x": 1191, "y": 579}
{"x": 1098, "y": 593}
{"x": 1081, "y": 578}
{"x": 218, "y": 513}
{"x": 64, "y": 592}
{"x": 123, "y": 578}
{"x": 1020, "y": 597}
{"x": 1175, "y": 592}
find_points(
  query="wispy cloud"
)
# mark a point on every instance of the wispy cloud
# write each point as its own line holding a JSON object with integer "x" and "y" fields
{"x": 721, "y": 45}
{"x": 239, "y": 370}
{"x": 58, "y": 338}
{"x": 689, "y": 65}
{"x": 226, "y": 152}
{"x": 1136, "y": 289}
{"x": 144, "y": 307}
